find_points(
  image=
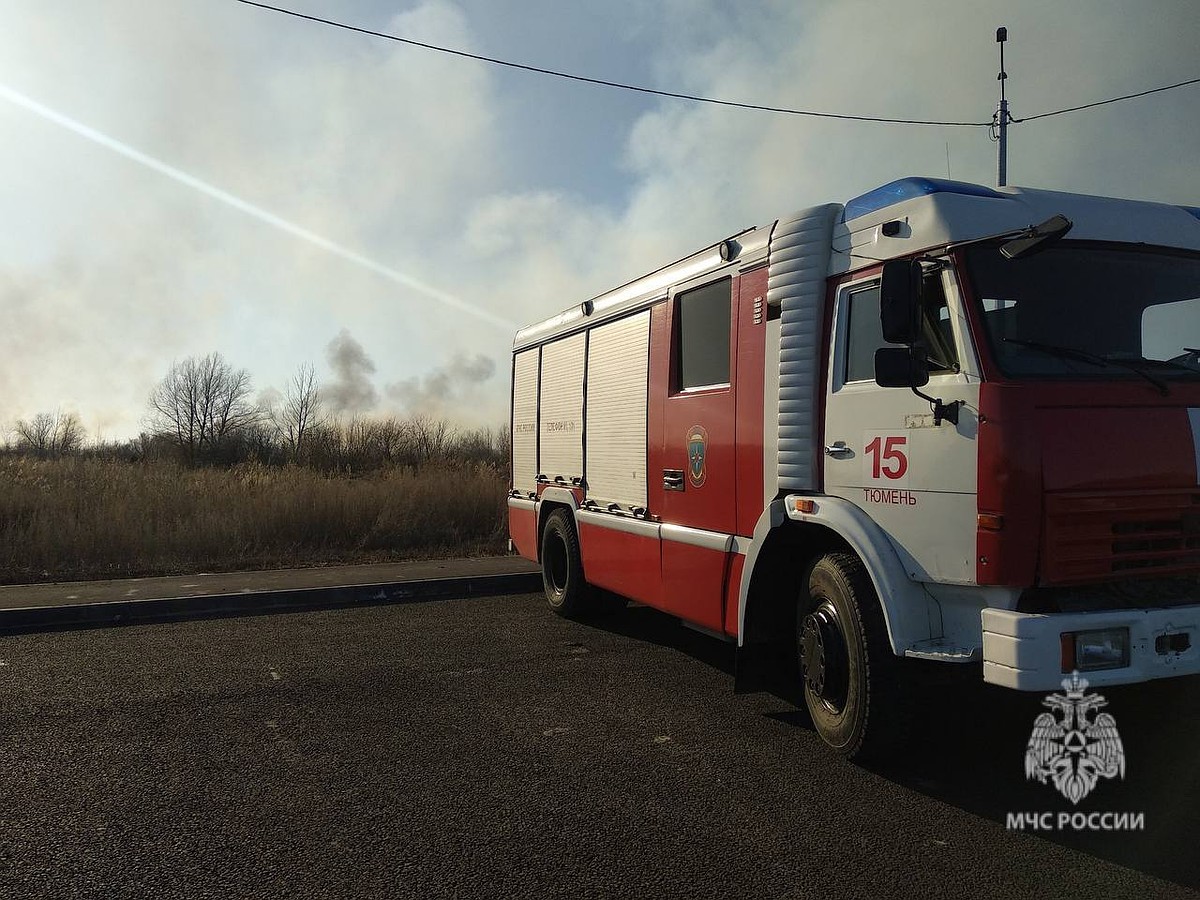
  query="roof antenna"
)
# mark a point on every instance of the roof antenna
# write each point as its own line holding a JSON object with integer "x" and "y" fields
{"x": 1001, "y": 119}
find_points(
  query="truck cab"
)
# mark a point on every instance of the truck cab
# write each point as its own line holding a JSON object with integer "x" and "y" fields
{"x": 1062, "y": 500}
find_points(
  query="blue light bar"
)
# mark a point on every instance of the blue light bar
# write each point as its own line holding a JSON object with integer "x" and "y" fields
{"x": 1194, "y": 210}
{"x": 907, "y": 189}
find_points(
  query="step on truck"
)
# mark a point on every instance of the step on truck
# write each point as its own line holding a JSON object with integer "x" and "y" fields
{"x": 940, "y": 421}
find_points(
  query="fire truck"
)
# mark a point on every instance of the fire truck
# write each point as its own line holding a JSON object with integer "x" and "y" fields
{"x": 940, "y": 421}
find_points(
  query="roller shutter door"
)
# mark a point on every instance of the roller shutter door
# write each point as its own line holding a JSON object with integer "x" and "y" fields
{"x": 618, "y": 359}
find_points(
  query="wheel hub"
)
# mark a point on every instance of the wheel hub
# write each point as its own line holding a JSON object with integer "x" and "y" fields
{"x": 823, "y": 659}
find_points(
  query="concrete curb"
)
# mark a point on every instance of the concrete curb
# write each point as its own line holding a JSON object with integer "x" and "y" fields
{"x": 251, "y": 603}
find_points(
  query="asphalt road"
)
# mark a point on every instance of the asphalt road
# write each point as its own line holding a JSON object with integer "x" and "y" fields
{"x": 485, "y": 748}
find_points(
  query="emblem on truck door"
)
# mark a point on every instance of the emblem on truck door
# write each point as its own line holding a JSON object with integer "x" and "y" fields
{"x": 697, "y": 446}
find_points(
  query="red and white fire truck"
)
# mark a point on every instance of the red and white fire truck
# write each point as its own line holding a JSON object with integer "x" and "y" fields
{"x": 941, "y": 421}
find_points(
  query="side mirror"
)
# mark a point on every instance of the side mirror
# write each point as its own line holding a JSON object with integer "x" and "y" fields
{"x": 900, "y": 367}
{"x": 900, "y": 301}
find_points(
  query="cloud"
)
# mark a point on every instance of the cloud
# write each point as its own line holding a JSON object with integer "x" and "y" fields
{"x": 371, "y": 146}
{"x": 518, "y": 194}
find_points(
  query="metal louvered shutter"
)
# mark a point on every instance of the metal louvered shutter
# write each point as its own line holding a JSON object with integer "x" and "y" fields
{"x": 618, "y": 360}
{"x": 524, "y": 421}
{"x": 561, "y": 418}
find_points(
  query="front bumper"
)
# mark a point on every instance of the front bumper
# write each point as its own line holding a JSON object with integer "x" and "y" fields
{"x": 1023, "y": 650}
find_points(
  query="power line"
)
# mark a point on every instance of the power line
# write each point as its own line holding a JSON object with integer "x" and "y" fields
{"x": 1059, "y": 112}
{"x": 613, "y": 84}
{"x": 696, "y": 98}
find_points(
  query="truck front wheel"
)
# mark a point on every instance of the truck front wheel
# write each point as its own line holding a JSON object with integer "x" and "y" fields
{"x": 849, "y": 673}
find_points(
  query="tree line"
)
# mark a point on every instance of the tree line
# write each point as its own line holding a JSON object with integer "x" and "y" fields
{"x": 203, "y": 413}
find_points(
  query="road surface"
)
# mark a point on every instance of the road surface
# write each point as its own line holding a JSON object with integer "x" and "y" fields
{"x": 484, "y": 747}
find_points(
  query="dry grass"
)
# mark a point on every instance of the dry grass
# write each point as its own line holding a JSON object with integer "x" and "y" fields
{"x": 70, "y": 519}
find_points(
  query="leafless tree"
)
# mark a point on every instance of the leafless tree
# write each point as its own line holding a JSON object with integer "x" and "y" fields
{"x": 50, "y": 434}
{"x": 504, "y": 444}
{"x": 392, "y": 441}
{"x": 202, "y": 402}
{"x": 300, "y": 412}
{"x": 35, "y": 435}
{"x": 431, "y": 437}
{"x": 477, "y": 445}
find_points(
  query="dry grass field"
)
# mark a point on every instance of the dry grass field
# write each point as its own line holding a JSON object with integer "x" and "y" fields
{"x": 80, "y": 518}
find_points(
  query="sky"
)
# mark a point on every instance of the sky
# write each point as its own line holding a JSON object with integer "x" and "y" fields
{"x": 180, "y": 177}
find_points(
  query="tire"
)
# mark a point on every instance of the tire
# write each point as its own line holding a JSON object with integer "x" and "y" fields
{"x": 853, "y": 688}
{"x": 567, "y": 593}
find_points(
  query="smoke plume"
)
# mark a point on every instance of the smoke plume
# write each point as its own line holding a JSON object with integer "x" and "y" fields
{"x": 444, "y": 386}
{"x": 351, "y": 390}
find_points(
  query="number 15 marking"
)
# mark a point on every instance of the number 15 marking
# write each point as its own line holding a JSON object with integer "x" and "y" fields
{"x": 889, "y": 461}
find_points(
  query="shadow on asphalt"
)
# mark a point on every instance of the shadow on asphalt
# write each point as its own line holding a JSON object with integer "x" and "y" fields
{"x": 645, "y": 624}
{"x": 968, "y": 750}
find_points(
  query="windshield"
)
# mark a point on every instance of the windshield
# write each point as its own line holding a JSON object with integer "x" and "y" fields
{"x": 1090, "y": 311}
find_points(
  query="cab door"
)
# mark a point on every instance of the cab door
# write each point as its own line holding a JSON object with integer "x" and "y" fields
{"x": 697, "y": 451}
{"x": 884, "y": 453}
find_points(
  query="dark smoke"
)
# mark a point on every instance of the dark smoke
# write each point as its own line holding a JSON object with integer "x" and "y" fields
{"x": 351, "y": 391}
{"x": 443, "y": 386}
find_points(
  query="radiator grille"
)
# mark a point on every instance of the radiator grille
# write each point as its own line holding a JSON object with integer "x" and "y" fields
{"x": 1129, "y": 534}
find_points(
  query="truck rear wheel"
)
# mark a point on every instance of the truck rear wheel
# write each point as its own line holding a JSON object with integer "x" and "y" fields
{"x": 849, "y": 674}
{"x": 562, "y": 567}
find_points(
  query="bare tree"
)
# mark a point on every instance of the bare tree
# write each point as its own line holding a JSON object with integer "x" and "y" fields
{"x": 34, "y": 435}
{"x": 69, "y": 433}
{"x": 392, "y": 441}
{"x": 202, "y": 402}
{"x": 431, "y": 437}
{"x": 360, "y": 443}
{"x": 504, "y": 445}
{"x": 355, "y": 435}
{"x": 50, "y": 434}
{"x": 301, "y": 410}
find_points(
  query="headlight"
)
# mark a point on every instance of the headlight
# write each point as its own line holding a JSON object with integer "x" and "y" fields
{"x": 1089, "y": 651}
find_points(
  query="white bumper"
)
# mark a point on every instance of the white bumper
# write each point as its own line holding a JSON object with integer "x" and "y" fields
{"x": 1023, "y": 650}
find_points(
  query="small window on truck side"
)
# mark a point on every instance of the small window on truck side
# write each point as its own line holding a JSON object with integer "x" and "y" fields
{"x": 702, "y": 333}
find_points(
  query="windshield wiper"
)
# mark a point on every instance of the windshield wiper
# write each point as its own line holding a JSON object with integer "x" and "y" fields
{"x": 1182, "y": 367}
{"x": 1093, "y": 358}
{"x": 1061, "y": 352}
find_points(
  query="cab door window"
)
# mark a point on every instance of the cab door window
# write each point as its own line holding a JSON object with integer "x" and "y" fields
{"x": 865, "y": 333}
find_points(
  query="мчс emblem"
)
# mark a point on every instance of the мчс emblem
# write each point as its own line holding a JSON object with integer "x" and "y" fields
{"x": 697, "y": 447}
{"x": 1079, "y": 746}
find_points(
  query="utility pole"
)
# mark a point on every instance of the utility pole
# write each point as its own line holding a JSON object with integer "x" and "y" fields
{"x": 1002, "y": 113}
